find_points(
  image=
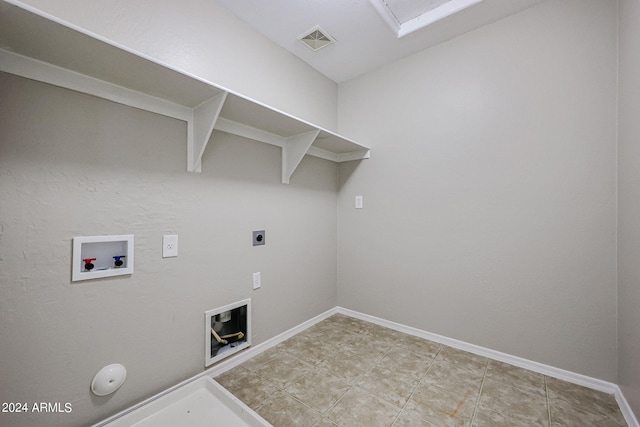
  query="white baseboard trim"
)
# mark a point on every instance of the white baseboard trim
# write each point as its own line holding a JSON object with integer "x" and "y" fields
{"x": 551, "y": 371}
{"x": 227, "y": 364}
{"x": 627, "y": 412}
{"x": 540, "y": 368}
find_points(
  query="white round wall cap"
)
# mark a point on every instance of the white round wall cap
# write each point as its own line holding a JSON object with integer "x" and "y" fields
{"x": 108, "y": 379}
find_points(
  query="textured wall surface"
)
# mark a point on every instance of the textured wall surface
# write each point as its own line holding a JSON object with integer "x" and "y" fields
{"x": 629, "y": 204}
{"x": 203, "y": 38}
{"x": 490, "y": 198}
{"x": 73, "y": 165}
{"x": 490, "y": 202}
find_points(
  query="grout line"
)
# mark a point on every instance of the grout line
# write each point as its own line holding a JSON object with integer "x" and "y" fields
{"x": 416, "y": 387}
{"x": 375, "y": 362}
{"x": 540, "y": 368}
{"x": 477, "y": 405}
{"x": 336, "y": 402}
{"x": 355, "y": 382}
{"x": 546, "y": 393}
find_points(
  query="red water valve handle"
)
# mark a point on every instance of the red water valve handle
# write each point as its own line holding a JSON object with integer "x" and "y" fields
{"x": 88, "y": 265}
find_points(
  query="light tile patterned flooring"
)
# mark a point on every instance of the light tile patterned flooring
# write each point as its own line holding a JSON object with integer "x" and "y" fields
{"x": 347, "y": 372}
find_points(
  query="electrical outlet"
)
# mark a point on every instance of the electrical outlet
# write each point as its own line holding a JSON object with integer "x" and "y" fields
{"x": 169, "y": 245}
{"x": 258, "y": 237}
{"x": 257, "y": 281}
{"x": 359, "y": 203}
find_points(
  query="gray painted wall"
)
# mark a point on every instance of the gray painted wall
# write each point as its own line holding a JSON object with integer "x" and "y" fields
{"x": 205, "y": 39}
{"x": 493, "y": 223}
{"x": 73, "y": 165}
{"x": 629, "y": 204}
{"x": 490, "y": 198}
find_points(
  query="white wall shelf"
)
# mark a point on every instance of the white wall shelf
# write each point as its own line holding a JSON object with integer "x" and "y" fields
{"x": 46, "y": 49}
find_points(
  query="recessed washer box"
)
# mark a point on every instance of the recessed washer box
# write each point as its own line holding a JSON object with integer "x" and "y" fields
{"x": 102, "y": 256}
{"x": 227, "y": 330}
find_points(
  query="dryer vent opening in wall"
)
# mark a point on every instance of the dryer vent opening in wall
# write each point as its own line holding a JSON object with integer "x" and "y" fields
{"x": 227, "y": 330}
{"x": 316, "y": 38}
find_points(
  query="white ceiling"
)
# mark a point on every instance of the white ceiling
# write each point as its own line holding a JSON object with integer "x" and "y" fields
{"x": 363, "y": 40}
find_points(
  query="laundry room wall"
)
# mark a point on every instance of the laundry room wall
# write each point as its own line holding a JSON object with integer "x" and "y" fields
{"x": 205, "y": 39}
{"x": 629, "y": 203}
{"x": 75, "y": 165}
{"x": 490, "y": 198}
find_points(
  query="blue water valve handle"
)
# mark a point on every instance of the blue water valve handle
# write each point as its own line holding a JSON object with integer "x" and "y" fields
{"x": 117, "y": 261}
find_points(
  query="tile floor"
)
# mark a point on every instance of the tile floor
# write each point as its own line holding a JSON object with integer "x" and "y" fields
{"x": 347, "y": 372}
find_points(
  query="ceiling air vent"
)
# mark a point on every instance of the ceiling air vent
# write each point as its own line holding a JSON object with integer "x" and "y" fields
{"x": 316, "y": 38}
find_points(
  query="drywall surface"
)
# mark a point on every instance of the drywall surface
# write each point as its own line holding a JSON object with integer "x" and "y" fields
{"x": 629, "y": 203}
{"x": 73, "y": 165}
{"x": 205, "y": 39}
{"x": 490, "y": 199}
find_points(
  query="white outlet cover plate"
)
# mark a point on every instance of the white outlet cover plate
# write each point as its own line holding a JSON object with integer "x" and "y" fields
{"x": 257, "y": 281}
{"x": 169, "y": 245}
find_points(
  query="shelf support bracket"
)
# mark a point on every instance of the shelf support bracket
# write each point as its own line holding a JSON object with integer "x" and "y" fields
{"x": 200, "y": 128}
{"x": 293, "y": 150}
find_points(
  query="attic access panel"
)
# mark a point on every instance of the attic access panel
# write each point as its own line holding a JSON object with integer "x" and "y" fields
{"x": 407, "y": 16}
{"x": 406, "y": 10}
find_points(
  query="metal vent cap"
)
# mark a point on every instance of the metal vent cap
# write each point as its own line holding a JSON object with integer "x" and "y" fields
{"x": 316, "y": 38}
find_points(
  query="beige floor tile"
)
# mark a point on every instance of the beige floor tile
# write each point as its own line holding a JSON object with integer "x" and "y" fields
{"x": 318, "y": 389}
{"x": 324, "y": 328}
{"x": 359, "y": 408}
{"x": 519, "y": 405}
{"x": 346, "y": 365}
{"x": 566, "y": 395}
{"x": 294, "y": 341}
{"x": 368, "y": 345}
{"x": 390, "y": 385}
{"x": 333, "y": 332}
{"x": 345, "y": 372}
{"x": 570, "y": 403}
{"x": 410, "y": 419}
{"x": 308, "y": 349}
{"x": 255, "y": 362}
{"x": 259, "y": 360}
{"x": 460, "y": 357}
{"x": 404, "y": 361}
{"x": 381, "y": 332}
{"x": 457, "y": 378}
{"x": 343, "y": 339}
{"x": 324, "y": 335}
{"x": 516, "y": 377}
{"x": 420, "y": 346}
{"x": 487, "y": 418}
{"x": 325, "y": 422}
{"x": 283, "y": 370}
{"x": 342, "y": 323}
{"x": 283, "y": 410}
{"x": 571, "y": 416}
{"x": 247, "y": 386}
{"x": 442, "y": 407}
